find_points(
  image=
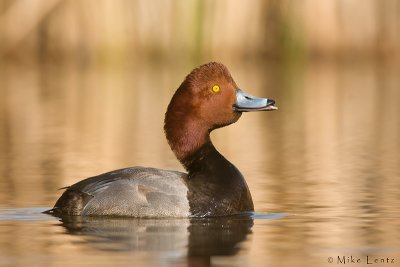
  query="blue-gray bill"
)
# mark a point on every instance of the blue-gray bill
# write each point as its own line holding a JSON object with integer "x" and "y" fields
{"x": 246, "y": 103}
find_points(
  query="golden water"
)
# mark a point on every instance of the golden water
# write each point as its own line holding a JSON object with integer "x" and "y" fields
{"x": 324, "y": 170}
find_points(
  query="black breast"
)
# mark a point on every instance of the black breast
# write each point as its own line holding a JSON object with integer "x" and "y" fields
{"x": 216, "y": 186}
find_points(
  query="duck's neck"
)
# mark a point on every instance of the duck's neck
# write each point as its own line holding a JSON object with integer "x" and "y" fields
{"x": 204, "y": 159}
{"x": 216, "y": 186}
{"x": 187, "y": 141}
{"x": 194, "y": 149}
{"x": 192, "y": 145}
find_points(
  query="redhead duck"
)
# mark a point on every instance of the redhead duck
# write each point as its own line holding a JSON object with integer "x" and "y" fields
{"x": 207, "y": 99}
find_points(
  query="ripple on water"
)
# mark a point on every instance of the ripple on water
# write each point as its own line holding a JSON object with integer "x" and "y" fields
{"x": 24, "y": 214}
{"x": 18, "y": 214}
{"x": 261, "y": 215}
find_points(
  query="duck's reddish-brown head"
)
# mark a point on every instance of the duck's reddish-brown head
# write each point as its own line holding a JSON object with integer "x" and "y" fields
{"x": 207, "y": 99}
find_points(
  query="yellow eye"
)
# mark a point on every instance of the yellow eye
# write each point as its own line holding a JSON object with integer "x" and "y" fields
{"x": 215, "y": 88}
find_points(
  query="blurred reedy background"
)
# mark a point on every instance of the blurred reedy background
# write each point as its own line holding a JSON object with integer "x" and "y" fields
{"x": 93, "y": 31}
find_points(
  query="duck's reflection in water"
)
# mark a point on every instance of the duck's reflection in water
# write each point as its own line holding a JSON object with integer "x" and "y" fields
{"x": 195, "y": 240}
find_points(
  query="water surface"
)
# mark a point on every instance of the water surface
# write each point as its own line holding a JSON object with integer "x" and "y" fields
{"x": 324, "y": 170}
